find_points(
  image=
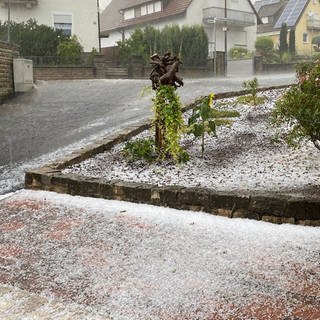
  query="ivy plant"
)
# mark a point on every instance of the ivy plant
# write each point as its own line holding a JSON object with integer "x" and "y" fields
{"x": 168, "y": 123}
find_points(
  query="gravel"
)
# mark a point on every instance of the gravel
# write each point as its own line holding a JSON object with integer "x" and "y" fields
{"x": 241, "y": 158}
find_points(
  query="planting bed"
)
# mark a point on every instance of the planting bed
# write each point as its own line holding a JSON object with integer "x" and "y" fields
{"x": 242, "y": 173}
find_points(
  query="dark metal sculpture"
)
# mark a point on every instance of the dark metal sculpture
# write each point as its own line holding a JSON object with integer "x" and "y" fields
{"x": 165, "y": 70}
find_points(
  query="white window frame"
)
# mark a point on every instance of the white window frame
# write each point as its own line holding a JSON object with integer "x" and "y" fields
{"x": 63, "y": 14}
{"x": 128, "y": 14}
{"x": 151, "y": 7}
{"x": 158, "y": 6}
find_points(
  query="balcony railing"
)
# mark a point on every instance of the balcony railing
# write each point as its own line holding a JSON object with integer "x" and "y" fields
{"x": 313, "y": 22}
{"x": 27, "y": 3}
{"x": 234, "y": 17}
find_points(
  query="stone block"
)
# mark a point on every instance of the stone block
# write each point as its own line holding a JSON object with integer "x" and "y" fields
{"x": 228, "y": 201}
{"x": 267, "y": 205}
{"x": 197, "y": 197}
{"x": 169, "y": 196}
{"x": 59, "y": 183}
{"x": 131, "y": 191}
{"x": 303, "y": 209}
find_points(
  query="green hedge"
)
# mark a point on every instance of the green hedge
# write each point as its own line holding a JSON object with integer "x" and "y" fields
{"x": 189, "y": 42}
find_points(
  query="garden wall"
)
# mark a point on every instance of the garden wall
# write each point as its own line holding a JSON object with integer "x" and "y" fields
{"x": 264, "y": 68}
{"x": 63, "y": 73}
{"x": 7, "y": 53}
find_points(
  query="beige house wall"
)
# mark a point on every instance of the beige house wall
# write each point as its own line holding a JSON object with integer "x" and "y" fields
{"x": 306, "y": 48}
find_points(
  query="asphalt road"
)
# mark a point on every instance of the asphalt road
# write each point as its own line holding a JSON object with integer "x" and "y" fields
{"x": 57, "y": 116}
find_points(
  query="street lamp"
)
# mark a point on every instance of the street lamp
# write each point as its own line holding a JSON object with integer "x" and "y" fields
{"x": 99, "y": 39}
{"x": 225, "y": 29}
{"x": 9, "y": 22}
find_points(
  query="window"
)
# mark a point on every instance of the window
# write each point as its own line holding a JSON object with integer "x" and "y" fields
{"x": 265, "y": 19}
{"x": 157, "y": 6}
{"x": 63, "y": 22}
{"x": 143, "y": 10}
{"x": 128, "y": 14}
{"x": 305, "y": 37}
{"x": 151, "y": 8}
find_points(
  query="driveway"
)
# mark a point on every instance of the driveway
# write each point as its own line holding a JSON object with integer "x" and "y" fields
{"x": 64, "y": 257}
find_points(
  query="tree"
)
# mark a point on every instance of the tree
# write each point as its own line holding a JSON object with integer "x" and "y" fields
{"x": 292, "y": 42}
{"x": 283, "y": 47}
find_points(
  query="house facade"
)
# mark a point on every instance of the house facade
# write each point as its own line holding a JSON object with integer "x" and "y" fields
{"x": 80, "y": 19}
{"x": 239, "y": 19}
{"x": 301, "y": 15}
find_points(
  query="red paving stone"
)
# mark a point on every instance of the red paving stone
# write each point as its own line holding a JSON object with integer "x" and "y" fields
{"x": 107, "y": 258}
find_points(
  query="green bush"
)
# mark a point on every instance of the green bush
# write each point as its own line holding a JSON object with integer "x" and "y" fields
{"x": 240, "y": 53}
{"x": 141, "y": 149}
{"x": 252, "y": 87}
{"x": 189, "y": 42}
{"x": 33, "y": 39}
{"x": 299, "y": 108}
{"x": 205, "y": 119}
{"x": 69, "y": 51}
{"x": 264, "y": 45}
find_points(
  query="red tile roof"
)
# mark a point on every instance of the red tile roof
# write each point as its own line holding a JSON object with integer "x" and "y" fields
{"x": 111, "y": 18}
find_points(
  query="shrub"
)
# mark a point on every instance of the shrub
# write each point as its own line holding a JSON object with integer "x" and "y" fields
{"x": 70, "y": 50}
{"x": 205, "y": 119}
{"x": 141, "y": 149}
{"x": 33, "y": 39}
{"x": 299, "y": 108}
{"x": 252, "y": 86}
{"x": 264, "y": 45}
{"x": 239, "y": 53}
{"x": 189, "y": 42}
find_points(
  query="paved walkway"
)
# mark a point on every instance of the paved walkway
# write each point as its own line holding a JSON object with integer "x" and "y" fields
{"x": 64, "y": 257}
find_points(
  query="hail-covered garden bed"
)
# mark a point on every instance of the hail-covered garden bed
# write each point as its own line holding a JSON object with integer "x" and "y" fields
{"x": 241, "y": 157}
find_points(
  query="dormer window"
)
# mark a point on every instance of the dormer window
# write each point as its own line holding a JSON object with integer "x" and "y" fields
{"x": 143, "y": 10}
{"x": 151, "y": 7}
{"x": 128, "y": 14}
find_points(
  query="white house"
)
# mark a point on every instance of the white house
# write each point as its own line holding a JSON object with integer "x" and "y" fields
{"x": 74, "y": 17}
{"x": 236, "y": 17}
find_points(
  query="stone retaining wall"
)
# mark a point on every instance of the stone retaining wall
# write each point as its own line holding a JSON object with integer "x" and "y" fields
{"x": 7, "y": 53}
{"x": 63, "y": 73}
{"x": 275, "y": 208}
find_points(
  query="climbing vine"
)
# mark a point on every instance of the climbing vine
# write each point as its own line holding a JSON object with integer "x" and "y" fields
{"x": 168, "y": 124}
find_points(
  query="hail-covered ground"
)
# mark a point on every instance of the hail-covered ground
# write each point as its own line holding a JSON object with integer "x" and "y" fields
{"x": 242, "y": 157}
{"x": 65, "y": 257}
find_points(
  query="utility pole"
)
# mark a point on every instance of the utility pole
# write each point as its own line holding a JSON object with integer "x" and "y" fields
{"x": 9, "y": 23}
{"x": 225, "y": 29}
{"x": 99, "y": 39}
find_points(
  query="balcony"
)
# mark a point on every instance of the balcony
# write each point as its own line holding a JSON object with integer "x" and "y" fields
{"x": 27, "y": 3}
{"x": 313, "y": 22}
{"x": 234, "y": 17}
